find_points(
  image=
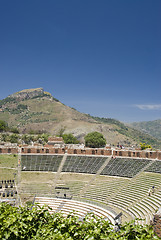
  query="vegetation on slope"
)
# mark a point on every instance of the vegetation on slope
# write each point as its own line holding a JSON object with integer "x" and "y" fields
{"x": 38, "y": 110}
{"x": 24, "y": 138}
{"x": 151, "y": 127}
{"x": 135, "y": 134}
{"x": 37, "y": 223}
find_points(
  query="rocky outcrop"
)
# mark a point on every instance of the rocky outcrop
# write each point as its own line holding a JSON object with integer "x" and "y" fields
{"x": 28, "y": 93}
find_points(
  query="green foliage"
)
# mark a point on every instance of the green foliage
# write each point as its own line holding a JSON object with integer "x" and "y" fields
{"x": 70, "y": 139}
{"x": 31, "y": 131}
{"x": 4, "y": 137}
{"x": 37, "y": 132}
{"x": 20, "y": 108}
{"x": 130, "y": 132}
{"x": 38, "y": 223}
{"x": 144, "y": 146}
{"x": 95, "y": 140}
{"x": 13, "y": 138}
{"x": 44, "y": 137}
{"x": 3, "y": 126}
{"x": 151, "y": 127}
{"x": 27, "y": 138}
{"x": 14, "y": 130}
{"x": 7, "y": 100}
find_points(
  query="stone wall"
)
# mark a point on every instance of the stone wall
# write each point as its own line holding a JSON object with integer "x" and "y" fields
{"x": 39, "y": 149}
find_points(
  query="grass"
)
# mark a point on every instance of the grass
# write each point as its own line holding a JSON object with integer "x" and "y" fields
{"x": 38, "y": 177}
{"x": 6, "y": 174}
{"x": 9, "y": 161}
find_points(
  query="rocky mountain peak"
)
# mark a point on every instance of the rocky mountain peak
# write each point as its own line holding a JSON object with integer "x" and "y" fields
{"x": 28, "y": 93}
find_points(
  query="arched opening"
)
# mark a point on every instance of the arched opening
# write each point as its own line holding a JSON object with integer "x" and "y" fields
{"x": 28, "y": 150}
{"x": 9, "y": 150}
{"x": 56, "y": 150}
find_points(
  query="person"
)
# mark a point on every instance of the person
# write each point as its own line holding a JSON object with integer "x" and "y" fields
{"x": 152, "y": 189}
{"x": 149, "y": 191}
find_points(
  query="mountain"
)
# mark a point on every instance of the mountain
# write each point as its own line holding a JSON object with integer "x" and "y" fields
{"x": 150, "y": 127}
{"x": 35, "y": 109}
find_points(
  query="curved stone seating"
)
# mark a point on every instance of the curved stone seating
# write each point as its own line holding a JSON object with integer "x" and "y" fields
{"x": 124, "y": 167}
{"x": 40, "y": 162}
{"x": 155, "y": 167}
{"x": 66, "y": 206}
{"x": 126, "y": 191}
{"x": 83, "y": 164}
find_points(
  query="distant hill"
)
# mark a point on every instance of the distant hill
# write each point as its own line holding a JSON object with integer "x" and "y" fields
{"x": 35, "y": 109}
{"x": 150, "y": 127}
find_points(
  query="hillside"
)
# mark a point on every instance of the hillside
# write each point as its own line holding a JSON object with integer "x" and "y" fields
{"x": 150, "y": 127}
{"x": 35, "y": 109}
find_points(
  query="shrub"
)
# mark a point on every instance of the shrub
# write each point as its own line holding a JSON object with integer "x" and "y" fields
{"x": 38, "y": 223}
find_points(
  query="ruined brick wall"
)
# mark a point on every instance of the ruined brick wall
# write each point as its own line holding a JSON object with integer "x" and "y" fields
{"x": 8, "y": 150}
{"x": 159, "y": 155}
{"x": 39, "y": 149}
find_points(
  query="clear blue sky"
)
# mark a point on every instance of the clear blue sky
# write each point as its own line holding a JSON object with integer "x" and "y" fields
{"x": 102, "y": 57}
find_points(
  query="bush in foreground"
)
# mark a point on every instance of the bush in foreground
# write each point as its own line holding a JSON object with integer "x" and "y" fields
{"x": 38, "y": 223}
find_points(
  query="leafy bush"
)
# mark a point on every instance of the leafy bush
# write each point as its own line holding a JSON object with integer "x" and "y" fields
{"x": 38, "y": 223}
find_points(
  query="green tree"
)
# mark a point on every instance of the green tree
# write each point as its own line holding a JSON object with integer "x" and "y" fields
{"x": 3, "y": 126}
{"x": 44, "y": 137}
{"x": 27, "y": 138}
{"x": 13, "y": 138}
{"x": 5, "y": 137}
{"x": 70, "y": 139}
{"x": 95, "y": 140}
{"x": 144, "y": 146}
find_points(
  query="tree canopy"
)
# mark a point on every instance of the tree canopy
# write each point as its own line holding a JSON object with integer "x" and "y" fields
{"x": 3, "y": 126}
{"x": 70, "y": 139}
{"x": 95, "y": 140}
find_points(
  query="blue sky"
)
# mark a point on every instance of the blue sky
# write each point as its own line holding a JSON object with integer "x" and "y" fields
{"x": 100, "y": 57}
